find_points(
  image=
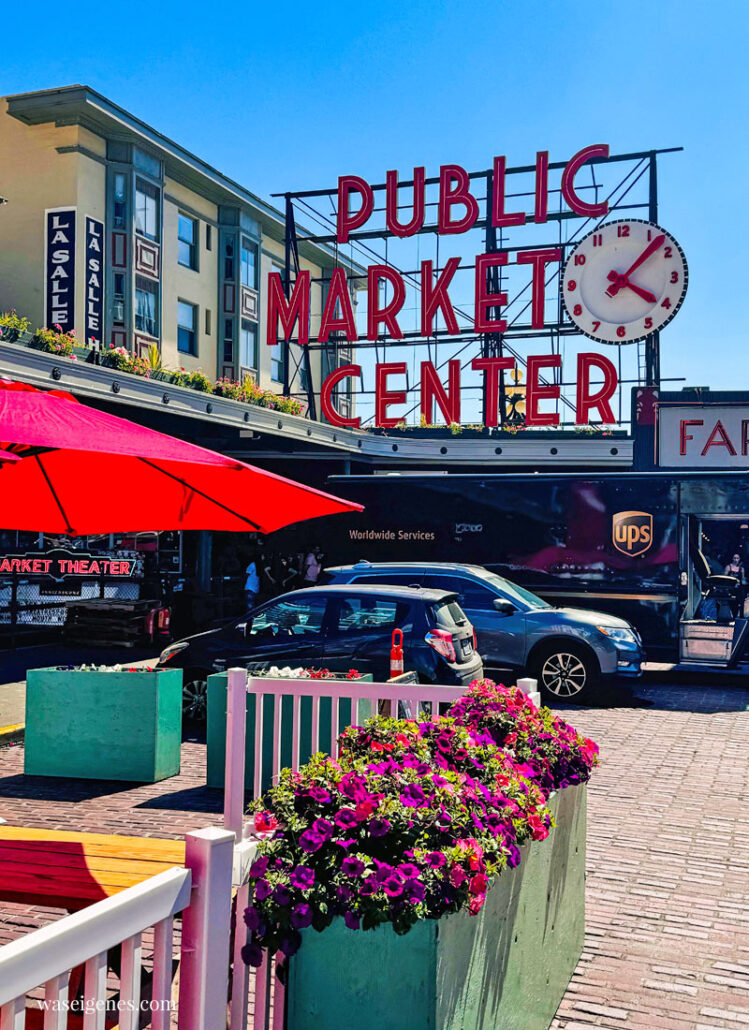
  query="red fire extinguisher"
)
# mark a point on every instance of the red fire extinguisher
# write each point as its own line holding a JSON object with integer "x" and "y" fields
{"x": 396, "y": 654}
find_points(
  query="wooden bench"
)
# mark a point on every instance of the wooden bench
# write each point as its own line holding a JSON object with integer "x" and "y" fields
{"x": 71, "y": 870}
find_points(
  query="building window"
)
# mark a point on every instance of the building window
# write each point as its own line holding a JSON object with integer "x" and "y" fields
{"x": 228, "y": 340}
{"x": 146, "y": 306}
{"x": 187, "y": 237}
{"x": 147, "y": 209}
{"x": 207, "y": 321}
{"x": 208, "y": 237}
{"x": 146, "y": 163}
{"x": 229, "y": 259}
{"x": 249, "y": 263}
{"x": 186, "y": 322}
{"x": 118, "y": 307}
{"x": 120, "y": 201}
{"x": 248, "y": 345}
{"x": 277, "y": 361}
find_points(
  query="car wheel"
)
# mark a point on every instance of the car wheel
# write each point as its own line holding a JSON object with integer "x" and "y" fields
{"x": 565, "y": 672}
{"x": 195, "y": 696}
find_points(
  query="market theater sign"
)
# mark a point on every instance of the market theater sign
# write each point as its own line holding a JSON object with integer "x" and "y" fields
{"x": 60, "y": 564}
{"x": 457, "y": 212}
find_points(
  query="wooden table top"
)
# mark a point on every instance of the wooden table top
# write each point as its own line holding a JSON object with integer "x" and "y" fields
{"x": 71, "y": 870}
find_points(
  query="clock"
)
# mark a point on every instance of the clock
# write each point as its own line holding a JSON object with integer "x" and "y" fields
{"x": 624, "y": 280}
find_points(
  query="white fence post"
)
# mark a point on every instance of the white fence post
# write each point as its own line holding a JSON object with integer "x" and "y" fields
{"x": 529, "y": 686}
{"x": 206, "y": 929}
{"x": 236, "y": 731}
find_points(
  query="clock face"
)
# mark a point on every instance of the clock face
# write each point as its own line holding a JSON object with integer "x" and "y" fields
{"x": 624, "y": 280}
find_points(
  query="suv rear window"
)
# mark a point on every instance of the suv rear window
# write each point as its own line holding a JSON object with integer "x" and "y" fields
{"x": 449, "y": 614}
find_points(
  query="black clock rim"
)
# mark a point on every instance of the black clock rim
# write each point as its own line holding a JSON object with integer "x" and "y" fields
{"x": 603, "y": 225}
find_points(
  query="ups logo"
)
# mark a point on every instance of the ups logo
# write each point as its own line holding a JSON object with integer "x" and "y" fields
{"x": 632, "y": 532}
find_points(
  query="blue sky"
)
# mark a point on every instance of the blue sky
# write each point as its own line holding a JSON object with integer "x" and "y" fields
{"x": 289, "y": 96}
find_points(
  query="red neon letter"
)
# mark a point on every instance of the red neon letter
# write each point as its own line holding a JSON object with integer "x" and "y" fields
{"x": 539, "y": 259}
{"x": 337, "y": 294}
{"x": 483, "y": 323}
{"x": 723, "y": 440}
{"x": 435, "y": 296}
{"x": 499, "y": 217}
{"x": 326, "y": 396}
{"x": 684, "y": 436}
{"x": 542, "y": 186}
{"x": 536, "y": 392}
{"x": 492, "y": 367}
{"x": 454, "y": 183}
{"x": 376, "y": 314}
{"x": 345, "y": 219}
{"x": 579, "y": 206}
{"x": 384, "y": 397}
{"x": 587, "y": 400}
{"x": 391, "y": 204}
{"x": 432, "y": 389}
{"x": 296, "y": 308}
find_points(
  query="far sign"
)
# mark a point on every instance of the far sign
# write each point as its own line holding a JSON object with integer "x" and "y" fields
{"x": 703, "y": 436}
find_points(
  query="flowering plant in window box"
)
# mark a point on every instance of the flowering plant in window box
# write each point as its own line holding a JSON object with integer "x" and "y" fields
{"x": 54, "y": 341}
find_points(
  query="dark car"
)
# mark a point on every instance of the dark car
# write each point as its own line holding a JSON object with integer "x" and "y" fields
{"x": 567, "y": 650}
{"x": 338, "y": 628}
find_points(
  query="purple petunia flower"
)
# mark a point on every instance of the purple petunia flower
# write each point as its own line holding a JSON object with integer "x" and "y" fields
{"x": 346, "y": 818}
{"x": 260, "y": 866}
{"x": 351, "y": 921}
{"x": 409, "y": 870}
{"x": 379, "y": 827}
{"x": 252, "y": 954}
{"x": 414, "y": 891}
{"x": 301, "y": 916}
{"x": 263, "y": 890}
{"x": 323, "y": 828}
{"x": 435, "y": 859}
{"x": 513, "y": 859}
{"x": 352, "y": 866}
{"x": 310, "y": 841}
{"x": 368, "y": 887}
{"x": 319, "y": 794}
{"x": 252, "y": 918}
{"x": 393, "y": 886}
{"x": 412, "y": 795}
{"x": 302, "y": 877}
{"x": 281, "y": 895}
{"x": 383, "y": 871}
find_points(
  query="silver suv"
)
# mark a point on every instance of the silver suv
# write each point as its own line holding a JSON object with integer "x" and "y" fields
{"x": 567, "y": 650}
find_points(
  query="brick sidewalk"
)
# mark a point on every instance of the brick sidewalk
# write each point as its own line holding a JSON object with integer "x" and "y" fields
{"x": 667, "y": 943}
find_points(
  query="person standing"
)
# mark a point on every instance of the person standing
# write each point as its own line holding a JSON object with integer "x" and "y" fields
{"x": 312, "y": 567}
{"x": 251, "y": 583}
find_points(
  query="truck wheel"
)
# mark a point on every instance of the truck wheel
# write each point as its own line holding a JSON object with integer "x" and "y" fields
{"x": 195, "y": 696}
{"x": 565, "y": 672}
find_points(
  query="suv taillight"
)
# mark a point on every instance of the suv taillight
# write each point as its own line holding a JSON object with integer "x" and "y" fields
{"x": 442, "y": 642}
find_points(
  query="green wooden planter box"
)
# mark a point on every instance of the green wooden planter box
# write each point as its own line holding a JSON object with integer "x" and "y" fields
{"x": 216, "y": 730}
{"x": 103, "y": 725}
{"x": 505, "y": 969}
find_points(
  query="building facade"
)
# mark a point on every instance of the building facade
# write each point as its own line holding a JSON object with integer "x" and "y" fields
{"x": 116, "y": 232}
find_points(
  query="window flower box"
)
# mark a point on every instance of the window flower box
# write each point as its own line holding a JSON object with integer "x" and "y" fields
{"x": 504, "y": 969}
{"x": 103, "y": 724}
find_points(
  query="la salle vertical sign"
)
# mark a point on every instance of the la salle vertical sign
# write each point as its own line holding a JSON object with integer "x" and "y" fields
{"x": 59, "y": 277}
{"x": 94, "y": 281}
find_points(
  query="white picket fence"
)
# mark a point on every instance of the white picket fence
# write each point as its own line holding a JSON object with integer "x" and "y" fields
{"x": 217, "y": 864}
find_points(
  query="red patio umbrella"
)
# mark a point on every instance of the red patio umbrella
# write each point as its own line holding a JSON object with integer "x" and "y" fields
{"x": 82, "y": 471}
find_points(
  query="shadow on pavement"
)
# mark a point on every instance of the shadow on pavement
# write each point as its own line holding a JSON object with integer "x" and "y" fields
{"x": 60, "y": 788}
{"x": 190, "y": 799}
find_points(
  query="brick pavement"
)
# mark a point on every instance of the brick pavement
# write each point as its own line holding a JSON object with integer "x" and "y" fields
{"x": 667, "y": 941}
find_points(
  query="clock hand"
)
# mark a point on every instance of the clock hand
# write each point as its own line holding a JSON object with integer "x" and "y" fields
{"x": 620, "y": 281}
{"x": 650, "y": 249}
